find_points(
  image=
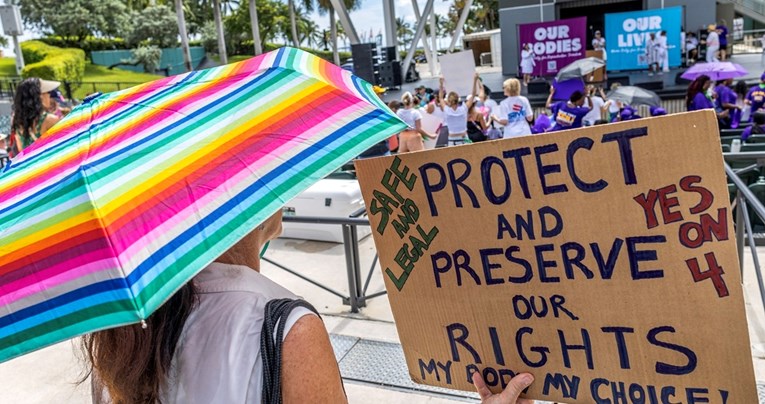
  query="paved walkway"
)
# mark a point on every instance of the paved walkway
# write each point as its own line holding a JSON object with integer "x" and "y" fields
{"x": 366, "y": 344}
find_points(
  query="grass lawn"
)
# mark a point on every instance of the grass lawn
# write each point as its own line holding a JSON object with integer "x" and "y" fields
{"x": 98, "y": 76}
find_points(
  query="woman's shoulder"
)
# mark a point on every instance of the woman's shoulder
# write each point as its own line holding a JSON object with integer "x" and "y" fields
{"x": 220, "y": 278}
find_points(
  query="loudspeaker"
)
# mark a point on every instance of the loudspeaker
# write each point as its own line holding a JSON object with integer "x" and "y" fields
{"x": 538, "y": 86}
{"x": 623, "y": 80}
{"x": 389, "y": 54}
{"x": 390, "y": 74}
{"x": 364, "y": 61}
{"x": 651, "y": 85}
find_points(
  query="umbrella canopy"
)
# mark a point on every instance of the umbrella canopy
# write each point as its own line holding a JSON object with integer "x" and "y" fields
{"x": 579, "y": 68}
{"x": 564, "y": 89}
{"x": 634, "y": 95}
{"x": 715, "y": 71}
{"x": 135, "y": 192}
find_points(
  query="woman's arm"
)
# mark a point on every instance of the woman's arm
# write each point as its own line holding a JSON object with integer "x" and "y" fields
{"x": 471, "y": 101}
{"x": 502, "y": 122}
{"x": 549, "y": 103}
{"x": 309, "y": 370}
{"x": 418, "y": 128}
{"x": 441, "y": 99}
{"x": 19, "y": 144}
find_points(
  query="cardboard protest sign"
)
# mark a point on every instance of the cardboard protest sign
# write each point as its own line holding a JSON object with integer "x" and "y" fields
{"x": 601, "y": 260}
{"x": 458, "y": 70}
{"x": 555, "y": 43}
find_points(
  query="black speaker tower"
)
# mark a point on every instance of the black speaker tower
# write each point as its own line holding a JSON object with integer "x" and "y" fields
{"x": 390, "y": 74}
{"x": 365, "y": 61}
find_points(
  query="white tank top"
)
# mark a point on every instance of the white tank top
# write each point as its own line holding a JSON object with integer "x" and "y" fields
{"x": 217, "y": 359}
{"x": 456, "y": 120}
{"x": 410, "y": 116}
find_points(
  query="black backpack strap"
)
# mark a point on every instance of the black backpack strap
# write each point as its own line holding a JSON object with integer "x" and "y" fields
{"x": 276, "y": 313}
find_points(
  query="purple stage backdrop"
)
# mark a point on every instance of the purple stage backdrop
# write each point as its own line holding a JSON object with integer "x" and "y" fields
{"x": 555, "y": 43}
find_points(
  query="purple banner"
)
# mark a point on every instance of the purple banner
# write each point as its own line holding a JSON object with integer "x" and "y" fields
{"x": 555, "y": 44}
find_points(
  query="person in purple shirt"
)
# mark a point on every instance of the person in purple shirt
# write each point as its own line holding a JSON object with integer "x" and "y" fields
{"x": 722, "y": 32}
{"x": 726, "y": 100}
{"x": 757, "y": 127}
{"x": 570, "y": 113}
{"x": 756, "y": 96}
{"x": 700, "y": 95}
{"x": 657, "y": 111}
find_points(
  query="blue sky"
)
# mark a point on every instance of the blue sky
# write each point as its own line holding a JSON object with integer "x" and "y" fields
{"x": 369, "y": 15}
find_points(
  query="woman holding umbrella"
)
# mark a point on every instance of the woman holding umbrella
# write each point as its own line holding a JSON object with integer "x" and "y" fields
{"x": 700, "y": 96}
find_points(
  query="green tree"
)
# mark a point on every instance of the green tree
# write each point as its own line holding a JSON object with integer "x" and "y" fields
{"x": 336, "y": 30}
{"x": 404, "y": 33}
{"x": 75, "y": 20}
{"x": 483, "y": 16}
{"x": 155, "y": 25}
{"x": 272, "y": 21}
{"x": 308, "y": 32}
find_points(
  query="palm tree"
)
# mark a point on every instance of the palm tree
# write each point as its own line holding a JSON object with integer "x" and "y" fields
{"x": 255, "y": 28}
{"x": 219, "y": 28}
{"x": 403, "y": 32}
{"x": 308, "y": 6}
{"x": 308, "y": 30}
{"x": 325, "y": 6}
{"x": 184, "y": 34}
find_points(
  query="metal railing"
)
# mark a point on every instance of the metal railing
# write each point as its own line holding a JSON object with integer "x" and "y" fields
{"x": 357, "y": 294}
{"x": 749, "y": 43}
{"x": 8, "y": 87}
{"x": 744, "y": 201}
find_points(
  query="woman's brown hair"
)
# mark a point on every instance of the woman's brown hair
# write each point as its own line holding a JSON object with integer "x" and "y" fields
{"x": 132, "y": 362}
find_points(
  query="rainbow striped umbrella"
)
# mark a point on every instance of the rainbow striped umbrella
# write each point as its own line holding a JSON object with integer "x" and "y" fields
{"x": 137, "y": 191}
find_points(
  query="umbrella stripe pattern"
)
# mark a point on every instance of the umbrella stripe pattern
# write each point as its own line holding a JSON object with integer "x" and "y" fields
{"x": 136, "y": 191}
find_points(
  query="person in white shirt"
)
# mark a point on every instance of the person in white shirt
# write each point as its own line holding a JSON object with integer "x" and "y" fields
{"x": 713, "y": 44}
{"x": 599, "y": 44}
{"x": 411, "y": 139}
{"x": 456, "y": 113}
{"x": 598, "y": 107}
{"x": 651, "y": 56}
{"x": 662, "y": 52}
{"x": 203, "y": 344}
{"x": 527, "y": 63}
{"x": 515, "y": 111}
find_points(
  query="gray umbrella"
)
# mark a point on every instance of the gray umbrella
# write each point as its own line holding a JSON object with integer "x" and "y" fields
{"x": 579, "y": 68}
{"x": 633, "y": 95}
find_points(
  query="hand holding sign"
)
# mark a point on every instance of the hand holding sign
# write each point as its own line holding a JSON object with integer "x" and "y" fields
{"x": 600, "y": 260}
{"x": 510, "y": 395}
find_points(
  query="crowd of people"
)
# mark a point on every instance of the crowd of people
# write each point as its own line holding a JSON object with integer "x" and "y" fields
{"x": 735, "y": 105}
{"x": 476, "y": 117}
